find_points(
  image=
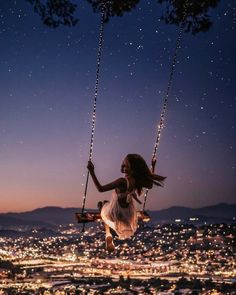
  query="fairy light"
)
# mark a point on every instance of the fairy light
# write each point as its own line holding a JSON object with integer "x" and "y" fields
{"x": 160, "y": 126}
{"x": 93, "y": 125}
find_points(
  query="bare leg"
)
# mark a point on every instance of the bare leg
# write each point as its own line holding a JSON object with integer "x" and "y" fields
{"x": 107, "y": 230}
{"x": 109, "y": 240}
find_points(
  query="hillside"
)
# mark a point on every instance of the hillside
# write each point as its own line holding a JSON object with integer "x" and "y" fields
{"x": 54, "y": 216}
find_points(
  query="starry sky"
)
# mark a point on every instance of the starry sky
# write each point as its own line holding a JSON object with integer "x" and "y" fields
{"x": 46, "y": 99}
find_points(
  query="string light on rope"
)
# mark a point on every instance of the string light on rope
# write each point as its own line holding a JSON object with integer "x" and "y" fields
{"x": 160, "y": 126}
{"x": 100, "y": 43}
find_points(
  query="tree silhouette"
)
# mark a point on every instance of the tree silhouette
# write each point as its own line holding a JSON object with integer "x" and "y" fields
{"x": 55, "y": 12}
{"x": 114, "y": 7}
{"x": 192, "y": 13}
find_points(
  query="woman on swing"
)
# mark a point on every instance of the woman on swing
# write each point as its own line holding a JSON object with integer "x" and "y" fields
{"x": 120, "y": 213}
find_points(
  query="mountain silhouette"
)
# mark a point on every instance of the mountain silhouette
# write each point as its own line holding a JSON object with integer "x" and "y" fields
{"x": 50, "y": 217}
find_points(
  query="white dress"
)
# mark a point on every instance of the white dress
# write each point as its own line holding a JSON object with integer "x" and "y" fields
{"x": 123, "y": 220}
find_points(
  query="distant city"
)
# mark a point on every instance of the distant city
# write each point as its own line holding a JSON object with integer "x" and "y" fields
{"x": 185, "y": 256}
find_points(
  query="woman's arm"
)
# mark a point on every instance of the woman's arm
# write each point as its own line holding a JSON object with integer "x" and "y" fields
{"x": 119, "y": 183}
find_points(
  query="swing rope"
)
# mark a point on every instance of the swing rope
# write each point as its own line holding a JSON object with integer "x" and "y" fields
{"x": 100, "y": 43}
{"x": 165, "y": 101}
{"x": 160, "y": 126}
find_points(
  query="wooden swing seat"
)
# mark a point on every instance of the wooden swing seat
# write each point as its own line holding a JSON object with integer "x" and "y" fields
{"x": 93, "y": 216}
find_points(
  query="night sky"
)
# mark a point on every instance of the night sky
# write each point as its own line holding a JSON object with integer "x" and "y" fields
{"x": 46, "y": 99}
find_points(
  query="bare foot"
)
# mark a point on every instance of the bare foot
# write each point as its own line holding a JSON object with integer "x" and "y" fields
{"x": 109, "y": 244}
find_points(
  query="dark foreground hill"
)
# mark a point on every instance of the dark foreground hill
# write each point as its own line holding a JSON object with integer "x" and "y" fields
{"x": 50, "y": 217}
{"x": 46, "y": 217}
{"x": 211, "y": 214}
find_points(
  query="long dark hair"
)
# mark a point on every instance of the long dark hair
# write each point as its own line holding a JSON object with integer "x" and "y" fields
{"x": 142, "y": 174}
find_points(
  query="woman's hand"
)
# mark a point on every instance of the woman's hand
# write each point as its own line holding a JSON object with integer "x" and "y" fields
{"x": 154, "y": 160}
{"x": 90, "y": 167}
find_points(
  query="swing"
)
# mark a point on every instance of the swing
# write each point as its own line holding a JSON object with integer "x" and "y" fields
{"x": 93, "y": 216}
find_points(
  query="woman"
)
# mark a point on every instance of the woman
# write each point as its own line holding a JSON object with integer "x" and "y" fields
{"x": 120, "y": 213}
